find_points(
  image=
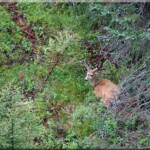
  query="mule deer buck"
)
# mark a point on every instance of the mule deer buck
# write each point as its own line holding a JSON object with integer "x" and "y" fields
{"x": 104, "y": 89}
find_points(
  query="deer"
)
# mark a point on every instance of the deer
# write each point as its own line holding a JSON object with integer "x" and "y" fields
{"x": 104, "y": 89}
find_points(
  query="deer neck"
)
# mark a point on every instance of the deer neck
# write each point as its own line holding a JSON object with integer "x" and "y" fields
{"x": 94, "y": 82}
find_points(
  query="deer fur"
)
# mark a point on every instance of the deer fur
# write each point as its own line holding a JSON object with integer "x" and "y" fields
{"x": 105, "y": 89}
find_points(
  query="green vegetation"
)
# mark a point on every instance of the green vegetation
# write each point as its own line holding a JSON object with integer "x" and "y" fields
{"x": 45, "y": 101}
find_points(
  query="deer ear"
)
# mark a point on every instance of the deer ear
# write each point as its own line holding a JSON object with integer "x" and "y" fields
{"x": 94, "y": 70}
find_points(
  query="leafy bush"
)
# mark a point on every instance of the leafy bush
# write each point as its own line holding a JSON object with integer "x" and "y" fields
{"x": 19, "y": 123}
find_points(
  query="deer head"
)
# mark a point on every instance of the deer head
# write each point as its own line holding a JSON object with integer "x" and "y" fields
{"x": 91, "y": 73}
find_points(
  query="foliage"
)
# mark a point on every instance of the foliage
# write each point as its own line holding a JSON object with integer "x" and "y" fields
{"x": 45, "y": 102}
{"x": 19, "y": 123}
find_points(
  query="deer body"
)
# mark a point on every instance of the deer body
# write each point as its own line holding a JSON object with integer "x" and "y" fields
{"x": 105, "y": 89}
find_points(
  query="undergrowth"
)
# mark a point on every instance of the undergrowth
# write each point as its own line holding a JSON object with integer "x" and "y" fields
{"x": 45, "y": 102}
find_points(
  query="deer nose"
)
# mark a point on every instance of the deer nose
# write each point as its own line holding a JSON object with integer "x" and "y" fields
{"x": 86, "y": 78}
